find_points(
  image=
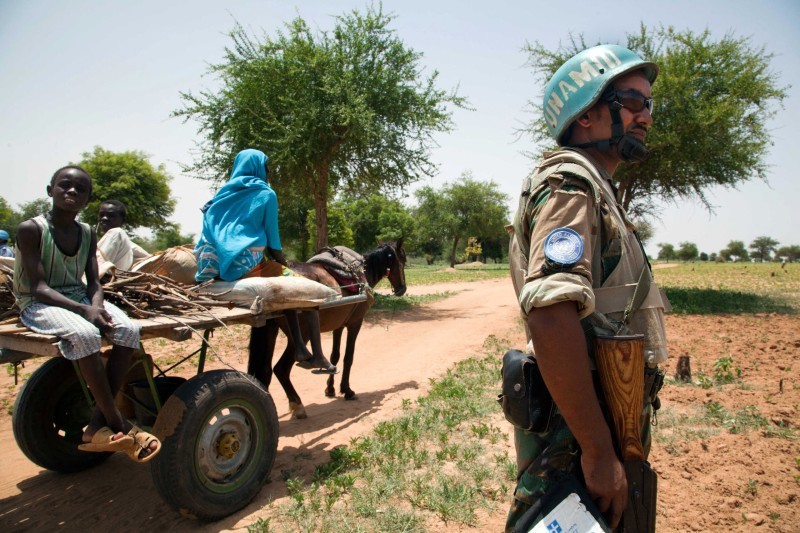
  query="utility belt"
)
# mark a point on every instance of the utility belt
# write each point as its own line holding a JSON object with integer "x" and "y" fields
{"x": 528, "y": 405}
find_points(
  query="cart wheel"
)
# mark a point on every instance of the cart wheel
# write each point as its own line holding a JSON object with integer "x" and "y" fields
{"x": 49, "y": 416}
{"x": 219, "y": 434}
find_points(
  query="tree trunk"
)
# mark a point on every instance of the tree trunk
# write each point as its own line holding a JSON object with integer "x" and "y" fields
{"x": 321, "y": 205}
{"x": 453, "y": 252}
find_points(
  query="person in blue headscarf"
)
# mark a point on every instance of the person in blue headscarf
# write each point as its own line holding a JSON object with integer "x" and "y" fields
{"x": 240, "y": 225}
{"x": 5, "y": 249}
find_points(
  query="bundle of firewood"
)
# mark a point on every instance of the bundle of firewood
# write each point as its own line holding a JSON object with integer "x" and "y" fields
{"x": 139, "y": 294}
{"x": 143, "y": 295}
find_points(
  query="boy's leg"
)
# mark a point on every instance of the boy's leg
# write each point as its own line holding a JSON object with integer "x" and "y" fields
{"x": 81, "y": 341}
{"x": 126, "y": 339}
{"x": 95, "y": 376}
{"x": 116, "y": 370}
{"x": 304, "y": 358}
{"x": 312, "y": 322}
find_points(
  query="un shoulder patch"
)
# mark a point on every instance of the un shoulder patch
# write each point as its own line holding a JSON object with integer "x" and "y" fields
{"x": 563, "y": 247}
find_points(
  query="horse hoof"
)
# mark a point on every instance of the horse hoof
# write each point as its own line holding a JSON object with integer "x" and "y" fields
{"x": 350, "y": 395}
{"x": 330, "y": 392}
{"x": 298, "y": 411}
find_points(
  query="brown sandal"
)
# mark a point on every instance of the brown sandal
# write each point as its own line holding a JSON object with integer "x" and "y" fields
{"x": 103, "y": 441}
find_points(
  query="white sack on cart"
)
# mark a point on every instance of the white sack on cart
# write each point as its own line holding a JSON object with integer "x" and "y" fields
{"x": 270, "y": 294}
{"x": 177, "y": 263}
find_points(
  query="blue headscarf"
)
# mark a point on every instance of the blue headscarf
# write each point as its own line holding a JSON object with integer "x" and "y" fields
{"x": 242, "y": 215}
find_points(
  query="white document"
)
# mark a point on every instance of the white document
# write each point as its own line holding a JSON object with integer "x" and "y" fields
{"x": 569, "y": 516}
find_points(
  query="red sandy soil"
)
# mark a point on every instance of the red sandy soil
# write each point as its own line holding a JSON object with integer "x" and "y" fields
{"x": 725, "y": 482}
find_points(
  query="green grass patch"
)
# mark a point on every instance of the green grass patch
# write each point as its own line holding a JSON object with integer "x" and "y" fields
{"x": 403, "y": 303}
{"x": 420, "y": 274}
{"x": 675, "y": 428}
{"x": 694, "y": 301}
{"x": 703, "y": 287}
{"x": 441, "y": 459}
{"x": 746, "y": 419}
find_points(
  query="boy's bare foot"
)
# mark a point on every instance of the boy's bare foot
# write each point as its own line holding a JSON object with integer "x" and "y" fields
{"x": 319, "y": 364}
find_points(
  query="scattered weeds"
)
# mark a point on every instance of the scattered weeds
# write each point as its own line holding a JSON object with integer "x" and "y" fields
{"x": 430, "y": 274}
{"x": 426, "y": 463}
{"x": 395, "y": 304}
{"x": 726, "y": 371}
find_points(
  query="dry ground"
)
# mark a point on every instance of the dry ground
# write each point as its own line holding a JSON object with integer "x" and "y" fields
{"x": 708, "y": 482}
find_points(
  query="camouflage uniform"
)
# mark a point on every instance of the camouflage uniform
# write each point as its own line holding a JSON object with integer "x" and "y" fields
{"x": 570, "y": 190}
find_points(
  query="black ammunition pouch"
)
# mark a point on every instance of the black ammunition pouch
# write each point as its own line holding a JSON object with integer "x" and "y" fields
{"x": 525, "y": 400}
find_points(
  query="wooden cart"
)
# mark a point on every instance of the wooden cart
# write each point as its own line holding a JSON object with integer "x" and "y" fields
{"x": 219, "y": 429}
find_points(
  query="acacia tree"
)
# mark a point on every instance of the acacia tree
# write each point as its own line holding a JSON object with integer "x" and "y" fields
{"x": 714, "y": 99}
{"x": 687, "y": 251}
{"x": 762, "y": 247}
{"x": 130, "y": 178}
{"x": 666, "y": 251}
{"x": 791, "y": 253}
{"x": 644, "y": 229}
{"x": 461, "y": 210}
{"x": 735, "y": 251}
{"x": 376, "y": 218}
{"x": 345, "y": 110}
{"x": 338, "y": 230}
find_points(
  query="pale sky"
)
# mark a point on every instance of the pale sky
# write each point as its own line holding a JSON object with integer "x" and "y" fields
{"x": 83, "y": 73}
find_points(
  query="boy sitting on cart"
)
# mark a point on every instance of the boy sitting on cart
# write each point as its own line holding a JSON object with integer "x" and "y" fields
{"x": 56, "y": 252}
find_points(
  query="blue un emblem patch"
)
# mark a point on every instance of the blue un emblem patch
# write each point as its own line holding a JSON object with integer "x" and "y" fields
{"x": 563, "y": 247}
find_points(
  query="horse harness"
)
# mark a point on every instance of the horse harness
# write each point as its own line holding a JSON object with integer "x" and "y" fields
{"x": 345, "y": 265}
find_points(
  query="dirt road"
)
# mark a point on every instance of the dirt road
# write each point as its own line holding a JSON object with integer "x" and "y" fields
{"x": 731, "y": 471}
{"x": 395, "y": 359}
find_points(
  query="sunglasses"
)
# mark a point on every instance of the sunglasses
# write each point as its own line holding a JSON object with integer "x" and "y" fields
{"x": 633, "y": 101}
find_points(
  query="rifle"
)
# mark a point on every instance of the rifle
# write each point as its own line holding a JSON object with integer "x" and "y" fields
{"x": 620, "y": 366}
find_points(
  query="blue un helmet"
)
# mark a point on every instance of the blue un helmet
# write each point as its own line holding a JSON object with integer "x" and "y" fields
{"x": 3, "y": 235}
{"x": 581, "y": 82}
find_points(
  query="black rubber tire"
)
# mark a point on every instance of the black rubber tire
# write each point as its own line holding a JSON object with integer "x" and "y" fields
{"x": 49, "y": 416}
{"x": 219, "y": 435}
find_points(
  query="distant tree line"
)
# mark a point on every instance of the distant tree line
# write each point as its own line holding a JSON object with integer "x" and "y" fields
{"x": 762, "y": 249}
{"x": 125, "y": 176}
{"x": 463, "y": 220}
{"x": 460, "y": 221}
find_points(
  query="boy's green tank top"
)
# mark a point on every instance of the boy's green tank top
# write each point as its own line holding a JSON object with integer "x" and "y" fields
{"x": 63, "y": 273}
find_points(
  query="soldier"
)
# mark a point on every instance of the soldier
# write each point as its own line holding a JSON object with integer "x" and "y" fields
{"x": 575, "y": 263}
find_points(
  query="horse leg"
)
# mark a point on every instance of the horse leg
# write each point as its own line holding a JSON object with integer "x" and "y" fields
{"x": 283, "y": 370}
{"x": 261, "y": 350}
{"x": 330, "y": 390}
{"x": 349, "y": 354}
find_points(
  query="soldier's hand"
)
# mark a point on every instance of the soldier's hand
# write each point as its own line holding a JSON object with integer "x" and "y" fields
{"x": 606, "y": 484}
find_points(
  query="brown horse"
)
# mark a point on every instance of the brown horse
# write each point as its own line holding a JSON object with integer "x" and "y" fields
{"x": 388, "y": 260}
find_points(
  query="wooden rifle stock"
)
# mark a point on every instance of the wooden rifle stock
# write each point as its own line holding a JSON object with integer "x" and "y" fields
{"x": 620, "y": 366}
